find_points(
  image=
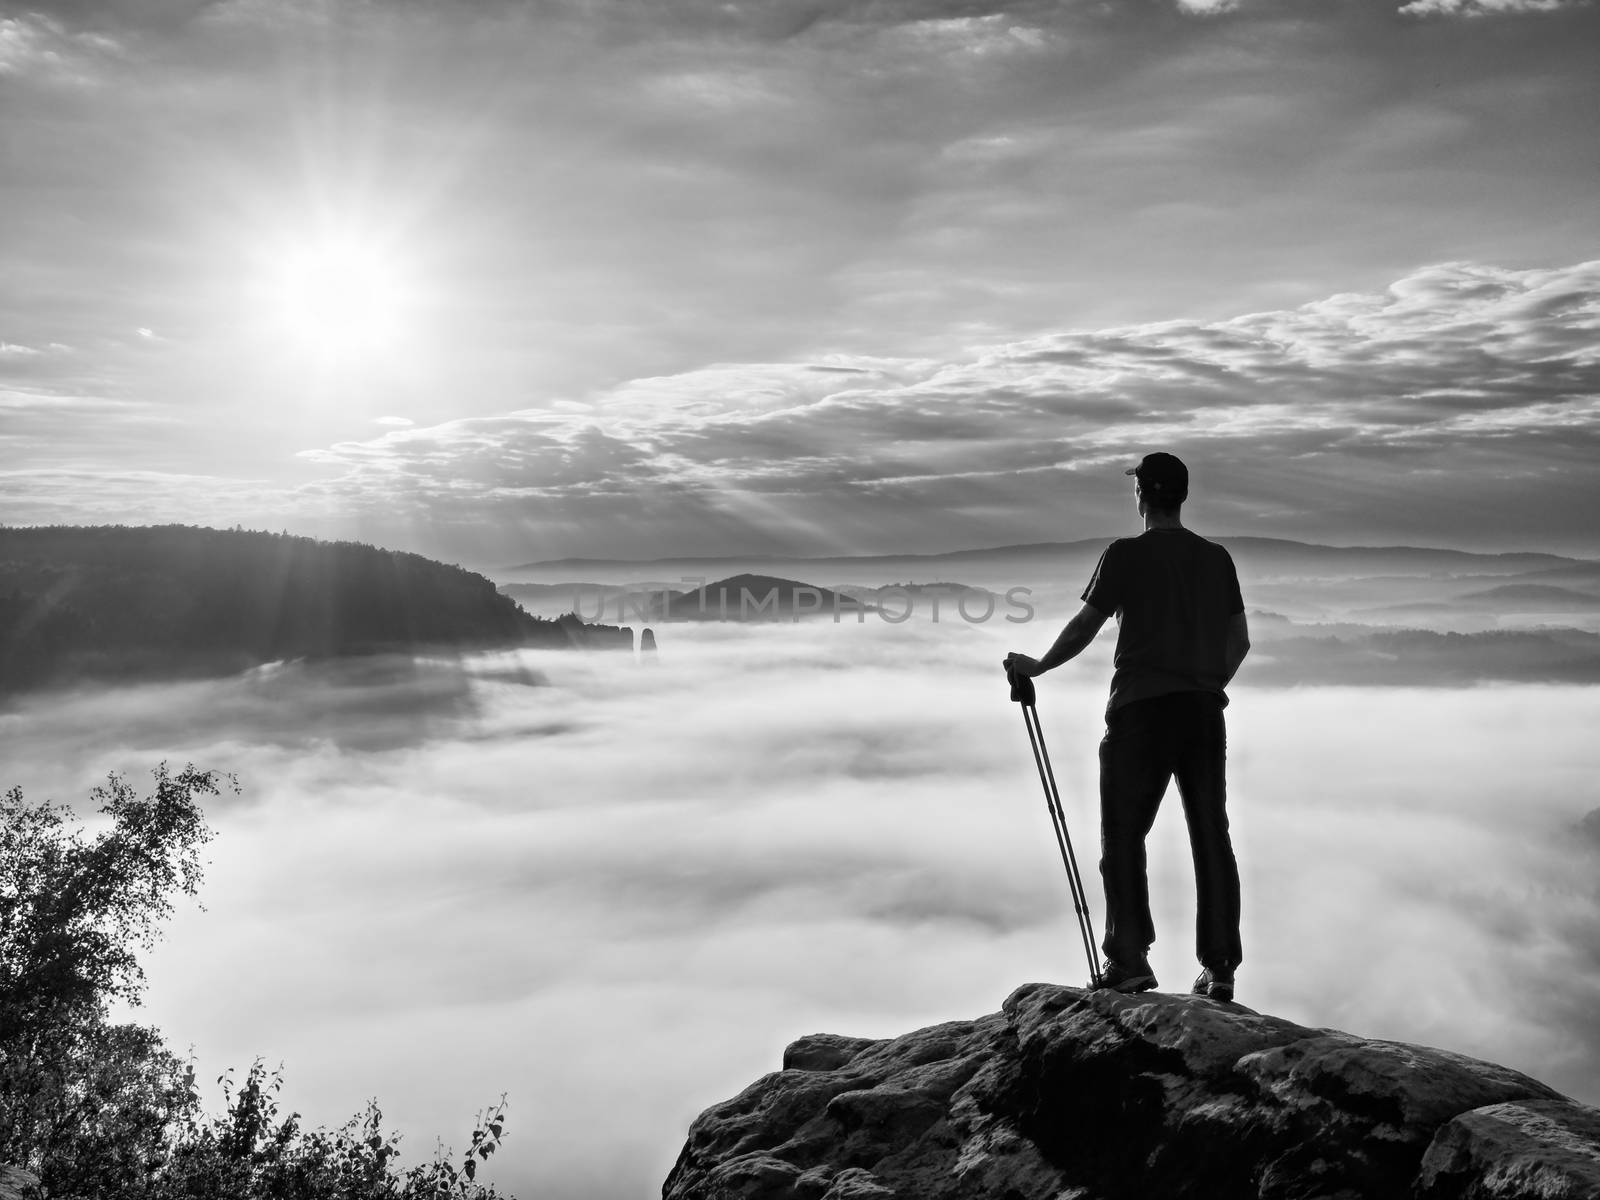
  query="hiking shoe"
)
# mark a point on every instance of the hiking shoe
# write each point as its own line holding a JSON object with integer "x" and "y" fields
{"x": 1216, "y": 984}
{"x": 1118, "y": 978}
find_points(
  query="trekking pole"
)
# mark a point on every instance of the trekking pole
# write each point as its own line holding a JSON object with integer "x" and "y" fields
{"x": 1022, "y": 692}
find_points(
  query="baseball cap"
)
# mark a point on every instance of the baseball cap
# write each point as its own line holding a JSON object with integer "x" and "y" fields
{"x": 1163, "y": 474}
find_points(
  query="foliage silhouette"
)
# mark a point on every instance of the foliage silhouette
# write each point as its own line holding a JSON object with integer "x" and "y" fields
{"x": 99, "y": 1109}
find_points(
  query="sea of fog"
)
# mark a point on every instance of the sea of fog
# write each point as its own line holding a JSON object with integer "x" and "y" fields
{"x": 614, "y": 891}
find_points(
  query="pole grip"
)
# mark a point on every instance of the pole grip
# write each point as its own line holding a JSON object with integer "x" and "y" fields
{"x": 1021, "y": 688}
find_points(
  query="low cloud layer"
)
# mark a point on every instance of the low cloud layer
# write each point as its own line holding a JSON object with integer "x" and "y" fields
{"x": 616, "y": 891}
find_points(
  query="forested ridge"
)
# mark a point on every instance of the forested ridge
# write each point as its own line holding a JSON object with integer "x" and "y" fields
{"x": 114, "y": 601}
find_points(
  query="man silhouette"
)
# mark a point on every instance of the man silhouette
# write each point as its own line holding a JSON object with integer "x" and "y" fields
{"x": 1181, "y": 636}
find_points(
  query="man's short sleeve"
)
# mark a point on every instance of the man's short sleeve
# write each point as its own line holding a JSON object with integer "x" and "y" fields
{"x": 1235, "y": 597}
{"x": 1104, "y": 593}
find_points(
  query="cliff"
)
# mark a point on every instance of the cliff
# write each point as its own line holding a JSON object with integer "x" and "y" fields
{"x": 1068, "y": 1094}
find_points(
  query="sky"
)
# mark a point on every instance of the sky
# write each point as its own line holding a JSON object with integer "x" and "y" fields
{"x": 615, "y": 892}
{"x": 500, "y": 281}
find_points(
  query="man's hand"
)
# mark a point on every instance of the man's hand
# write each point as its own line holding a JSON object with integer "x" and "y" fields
{"x": 1022, "y": 665}
{"x": 1079, "y": 633}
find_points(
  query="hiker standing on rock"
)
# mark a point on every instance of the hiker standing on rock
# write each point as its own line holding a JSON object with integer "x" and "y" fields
{"x": 1181, "y": 636}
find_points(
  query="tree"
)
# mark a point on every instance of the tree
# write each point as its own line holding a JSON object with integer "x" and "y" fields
{"x": 75, "y": 912}
{"x": 104, "y": 1110}
{"x": 82, "y": 1098}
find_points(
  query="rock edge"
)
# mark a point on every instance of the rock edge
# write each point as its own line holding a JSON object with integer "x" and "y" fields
{"x": 1068, "y": 1094}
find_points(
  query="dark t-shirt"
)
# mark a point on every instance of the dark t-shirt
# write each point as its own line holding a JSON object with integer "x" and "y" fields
{"x": 1172, "y": 593}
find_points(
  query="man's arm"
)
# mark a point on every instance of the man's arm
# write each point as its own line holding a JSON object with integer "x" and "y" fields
{"x": 1238, "y": 645}
{"x": 1078, "y": 633}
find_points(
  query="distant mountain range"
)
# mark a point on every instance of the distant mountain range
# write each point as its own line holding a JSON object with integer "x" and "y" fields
{"x": 1390, "y": 615}
{"x": 119, "y": 602}
{"x": 1260, "y": 558}
{"x": 1522, "y": 597}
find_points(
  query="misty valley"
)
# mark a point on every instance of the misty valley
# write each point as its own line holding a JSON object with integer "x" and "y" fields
{"x": 632, "y": 873}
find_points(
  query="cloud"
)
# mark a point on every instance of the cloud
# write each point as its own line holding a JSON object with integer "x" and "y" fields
{"x": 1480, "y": 8}
{"x": 616, "y": 893}
{"x": 33, "y": 46}
{"x": 1460, "y": 397}
{"x": 115, "y": 14}
{"x": 131, "y": 496}
{"x": 41, "y": 419}
{"x": 1468, "y": 388}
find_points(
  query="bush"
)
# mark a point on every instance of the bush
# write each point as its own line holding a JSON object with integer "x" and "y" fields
{"x": 250, "y": 1153}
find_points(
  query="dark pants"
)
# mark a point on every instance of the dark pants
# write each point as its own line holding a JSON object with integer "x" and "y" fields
{"x": 1147, "y": 743}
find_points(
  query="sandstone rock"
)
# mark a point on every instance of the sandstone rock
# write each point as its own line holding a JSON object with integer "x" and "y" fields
{"x": 823, "y": 1052}
{"x": 855, "y": 1184}
{"x": 17, "y": 1184}
{"x": 1069, "y": 1094}
{"x": 1544, "y": 1149}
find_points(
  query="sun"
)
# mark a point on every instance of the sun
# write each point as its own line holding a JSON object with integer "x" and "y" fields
{"x": 338, "y": 294}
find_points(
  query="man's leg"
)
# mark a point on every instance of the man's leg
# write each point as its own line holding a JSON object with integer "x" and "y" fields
{"x": 1201, "y": 767}
{"x": 1134, "y": 771}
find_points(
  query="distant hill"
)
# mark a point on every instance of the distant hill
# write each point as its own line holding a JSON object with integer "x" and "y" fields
{"x": 1543, "y": 596}
{"x": 118, "y": 602}
{"x": 1258, "y": 559}
{"x": 1581, "y": 573}
{"x": 1358, "y": 655}
{"x": 944, "y": 590}
{"x": 753, "y": 598}
{"x": 899, "y": 601}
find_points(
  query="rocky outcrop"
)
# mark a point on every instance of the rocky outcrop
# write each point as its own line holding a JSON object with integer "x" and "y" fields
{"x": 1069, "y": 1094}
{"x": 17, "y": 1184}
{"x": 579, "y": 632}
